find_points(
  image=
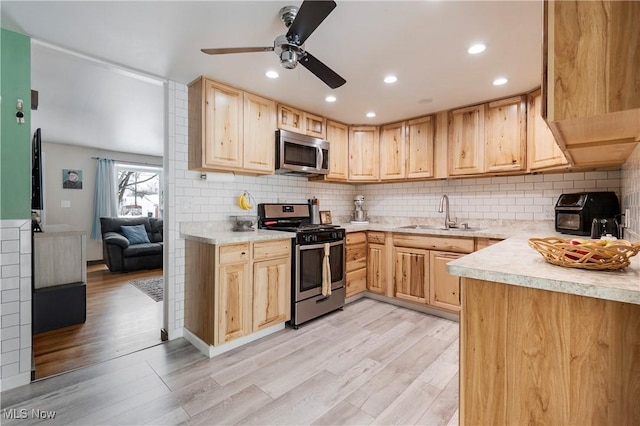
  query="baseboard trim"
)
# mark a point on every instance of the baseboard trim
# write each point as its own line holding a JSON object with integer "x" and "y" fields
{"x": 413, "y": 307}
{"x": 15, "y": 381}
{"x": 212, "y": 351}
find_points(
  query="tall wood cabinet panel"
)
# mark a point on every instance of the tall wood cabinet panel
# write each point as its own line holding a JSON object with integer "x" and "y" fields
{"x": 376, "y": 263}
{"x": 356, "y": 255}
{"x": 505, "y": 135}
{"x": 233, "y": 293}
{"x": 271, "y": 294}
{"x": 392, "y": 151}
{"x": 338, "y": 137}
{"x": 543, "y": 151}
{"x": 444, "y": 291}
{"x": 223, "y": 129}
{"x": 259, "y": 133}
{"x": 411, "y": 274}
{"x": 420, "y": 152}
{"x": 466, "y": 141}
{"x": 364, "y": 153}
{"x": 591, "y": 82}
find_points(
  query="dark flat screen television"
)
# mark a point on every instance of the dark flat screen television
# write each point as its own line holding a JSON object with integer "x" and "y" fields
{"x": 36, "y": 172}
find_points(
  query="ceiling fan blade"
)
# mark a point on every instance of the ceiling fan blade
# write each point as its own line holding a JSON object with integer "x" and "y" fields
{"x": 236, "y": 50}
{"x": 320, "y": 70}
{"x": 310, "y": 15}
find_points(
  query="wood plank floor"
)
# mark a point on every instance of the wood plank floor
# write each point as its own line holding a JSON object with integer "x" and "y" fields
{"x": 120, "y": 320}
{"x": 373, "y": 363}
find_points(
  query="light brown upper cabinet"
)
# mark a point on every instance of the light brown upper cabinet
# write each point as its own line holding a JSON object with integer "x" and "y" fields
{"x": 364, "y": 154}
{"x": 230, "y": 130}
{"x": 505, "y": 135}
{"x": 259, "y": 133}
{"x": 420, "y": 140}
{"x": 215, "y": 126}
{"x": 543, "y": 151}
{"x": 302, "y": 122}
{"x": 338, "y": 137}
{"x": 466, "y": 141}
{"x": 591, "y": 82}
{"x": 392, "y": 151}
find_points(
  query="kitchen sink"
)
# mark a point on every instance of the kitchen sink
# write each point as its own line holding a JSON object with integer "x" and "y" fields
{"x": 440, "y": 228}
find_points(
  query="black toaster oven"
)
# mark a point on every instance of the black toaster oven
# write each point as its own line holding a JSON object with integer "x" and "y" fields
{"x": 575, "y": 212}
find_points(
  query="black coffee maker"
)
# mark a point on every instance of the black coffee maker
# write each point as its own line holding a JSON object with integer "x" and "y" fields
{"x": 604, "y": 227}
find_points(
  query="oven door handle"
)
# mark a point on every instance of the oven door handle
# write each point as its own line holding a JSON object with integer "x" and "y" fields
{"x": 320, "y": 245}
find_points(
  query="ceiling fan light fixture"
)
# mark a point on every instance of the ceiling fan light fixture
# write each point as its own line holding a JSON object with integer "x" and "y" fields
{"x": 288, "y": 59}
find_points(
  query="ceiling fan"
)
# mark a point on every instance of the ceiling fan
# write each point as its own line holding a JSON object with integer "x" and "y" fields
{"x": 289, "y": 47}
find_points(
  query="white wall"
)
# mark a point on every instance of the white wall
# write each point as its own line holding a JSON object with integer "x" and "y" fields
{"x": 80, "y": 213}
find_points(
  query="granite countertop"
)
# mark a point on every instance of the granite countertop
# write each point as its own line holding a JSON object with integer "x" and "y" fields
{"x": 220, "y": 233}
{"x": 513, "y": 262}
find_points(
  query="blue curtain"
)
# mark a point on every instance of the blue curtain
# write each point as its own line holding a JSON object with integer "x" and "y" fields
{"x": 105, "y": 202}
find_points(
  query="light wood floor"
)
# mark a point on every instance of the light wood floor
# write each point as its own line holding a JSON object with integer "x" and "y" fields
{"x": 372, "y": 363}
{"x": 120, "y": 320}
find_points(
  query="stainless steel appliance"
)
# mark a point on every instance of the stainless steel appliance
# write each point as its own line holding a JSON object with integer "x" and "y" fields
{"x": 301, "y": 154}
{"x": 359, "y": 214}
{"x": 308, "y": 247}
{"x": 575, "y": 212}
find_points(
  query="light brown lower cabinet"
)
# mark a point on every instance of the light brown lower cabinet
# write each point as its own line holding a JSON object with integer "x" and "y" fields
{"x": 411, "y": 274}
{"x": 233, "y": 290}
{"x": 376, "y": 267}
{"x": 444, "y": 291}
{"x": 530, "y": 356}
{"x": 356, "y": 263}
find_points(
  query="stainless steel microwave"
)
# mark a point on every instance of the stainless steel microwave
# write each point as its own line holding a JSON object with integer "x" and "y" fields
{"x": 301, "y": 154}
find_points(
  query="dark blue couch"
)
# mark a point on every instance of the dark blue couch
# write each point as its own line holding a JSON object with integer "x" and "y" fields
{"x": 120, "y": 255}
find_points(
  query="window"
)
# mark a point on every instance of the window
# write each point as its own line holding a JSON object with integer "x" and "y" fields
{"x": 139, "y": 190}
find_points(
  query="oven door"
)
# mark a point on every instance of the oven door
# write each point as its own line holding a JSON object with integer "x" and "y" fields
{"x": 308, "y": 272}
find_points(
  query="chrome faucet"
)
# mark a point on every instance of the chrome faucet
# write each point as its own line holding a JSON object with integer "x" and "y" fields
{"x": 444, "y": 206}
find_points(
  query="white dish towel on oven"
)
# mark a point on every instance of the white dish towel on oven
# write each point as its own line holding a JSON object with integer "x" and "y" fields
{"x": 326, "y": 271}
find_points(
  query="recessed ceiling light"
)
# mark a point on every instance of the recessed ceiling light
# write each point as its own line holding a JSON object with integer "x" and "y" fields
{"x": 390, "y": 79}
{"x": 476, "y": 48}
{"x": 500, "y": 81}
{"x": 371, "y": 114}
{"x": 272, "y": 74}
{"x": 330, "y": 98}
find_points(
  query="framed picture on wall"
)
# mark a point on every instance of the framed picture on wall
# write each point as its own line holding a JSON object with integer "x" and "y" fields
{"x": 71, "y": 179}
{"x": 325, "y": 217}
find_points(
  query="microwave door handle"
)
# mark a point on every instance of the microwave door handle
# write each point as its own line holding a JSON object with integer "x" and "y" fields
{"x": 319, "y": 158}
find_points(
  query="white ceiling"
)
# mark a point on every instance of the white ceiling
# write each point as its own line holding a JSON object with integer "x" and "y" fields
{"x": 422, "y": 42}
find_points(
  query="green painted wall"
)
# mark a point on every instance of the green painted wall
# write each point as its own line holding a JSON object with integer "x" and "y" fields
{"x": 15, "y": 139}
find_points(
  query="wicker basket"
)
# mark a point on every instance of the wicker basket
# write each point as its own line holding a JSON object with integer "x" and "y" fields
{"x": 590, "y": 254}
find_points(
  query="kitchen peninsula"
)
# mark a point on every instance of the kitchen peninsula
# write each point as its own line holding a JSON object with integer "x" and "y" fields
{"x": 546, "y": 344}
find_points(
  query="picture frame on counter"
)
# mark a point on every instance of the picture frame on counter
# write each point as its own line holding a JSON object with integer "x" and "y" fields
{"x": 325, "y": 217}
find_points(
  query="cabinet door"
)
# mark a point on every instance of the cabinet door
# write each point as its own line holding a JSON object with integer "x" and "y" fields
{"x": 445, "y": 288}
{"x": 223, "y": 126}
{"x": 542, "y": 149}
{"x": 411, "y": 274}
{"x": 314, "y": 125}
{"x": 234, "y": 302}
{"x": 505, "y": 135}
{"x": 392, "y": 151}
{"x": 420, "y": 134}
{"x": 290, "y": 119}
{"x": 376, "y": 268}
{"x": 356, "y": 255}
{"x": 271, "y": 292}
{"x": 259, "y": 133}
{"x": 363, "y": 153}
{"x": 338, "y": 137}
{"x": 466, "y": 141}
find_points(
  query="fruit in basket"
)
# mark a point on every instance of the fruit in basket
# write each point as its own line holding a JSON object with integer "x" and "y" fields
{"x": 243, "y": 201}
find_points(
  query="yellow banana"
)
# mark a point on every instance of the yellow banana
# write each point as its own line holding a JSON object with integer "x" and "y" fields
{"x": 243, "y": 203}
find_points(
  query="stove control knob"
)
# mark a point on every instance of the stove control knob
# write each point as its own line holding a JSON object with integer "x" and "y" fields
{"x": 334, "y": 235}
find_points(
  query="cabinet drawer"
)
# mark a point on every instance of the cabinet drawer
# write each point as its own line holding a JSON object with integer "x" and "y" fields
{"x": 356, "y": 238}
{"x": 271, "y": 249}
{"x": 356, "y": 256}
{"x": 234, "y": 253}
{"x": 375, "y": 237}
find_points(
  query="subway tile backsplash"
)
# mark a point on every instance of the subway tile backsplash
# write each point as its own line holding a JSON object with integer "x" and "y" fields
{"x": 528, "y": 198}
{"x": 630, "y": 187}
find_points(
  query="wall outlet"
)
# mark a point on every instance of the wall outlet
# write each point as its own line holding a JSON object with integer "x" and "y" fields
{"x": 65, "y": 203}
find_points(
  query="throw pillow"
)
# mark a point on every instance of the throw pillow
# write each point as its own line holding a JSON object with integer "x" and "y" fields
{"x": 136, "y": 234}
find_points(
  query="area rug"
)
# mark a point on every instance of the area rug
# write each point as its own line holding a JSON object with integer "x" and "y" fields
{"x": 152, "y": 287}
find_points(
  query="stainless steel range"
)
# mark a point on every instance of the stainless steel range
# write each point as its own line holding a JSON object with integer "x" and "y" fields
{"x": 312, "y": 246}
